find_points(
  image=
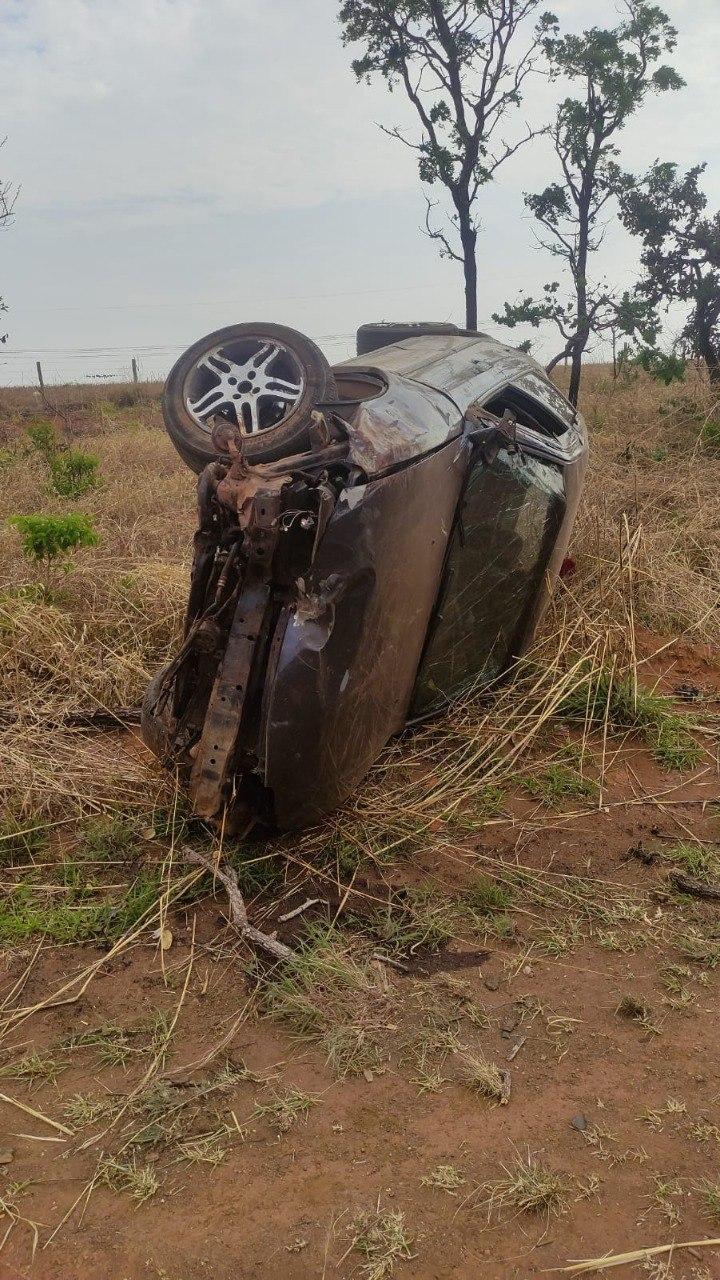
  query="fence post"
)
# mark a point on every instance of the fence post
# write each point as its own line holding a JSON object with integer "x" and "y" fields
{"x": 134, "y": 370}
{"x": 40, "y": 377}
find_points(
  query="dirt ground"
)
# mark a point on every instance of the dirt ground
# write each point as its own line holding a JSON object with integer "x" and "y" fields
{"x": 627, "y": 1110}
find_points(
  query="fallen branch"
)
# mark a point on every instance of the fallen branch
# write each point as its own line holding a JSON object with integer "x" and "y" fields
{"x": 37, "y": 1115}
{"x": 695, "y": 888}
{"x": 304, "y": 906}
{"x": 638, "y": 1255}
{"x": 238, "y": 912}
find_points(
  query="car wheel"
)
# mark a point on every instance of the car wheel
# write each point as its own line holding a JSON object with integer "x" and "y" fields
{"x": 265, "y": 378}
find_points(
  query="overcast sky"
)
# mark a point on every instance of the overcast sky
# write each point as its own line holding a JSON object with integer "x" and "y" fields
{"x": 189, "y": 163}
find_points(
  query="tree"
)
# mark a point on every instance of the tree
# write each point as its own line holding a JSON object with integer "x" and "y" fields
{"x": 617, "y": 70}
{"x": 681, "y": 252}
{"x": 455, "y": 61}
{"x": 8, "y": 196}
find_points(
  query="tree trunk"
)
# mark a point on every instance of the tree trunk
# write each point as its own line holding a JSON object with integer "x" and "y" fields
{"x": 575, "y": 374}
{"x": 468, "y": 238}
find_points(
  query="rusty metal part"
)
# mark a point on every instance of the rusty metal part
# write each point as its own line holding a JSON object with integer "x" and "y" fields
{"x": 227, "y": 702}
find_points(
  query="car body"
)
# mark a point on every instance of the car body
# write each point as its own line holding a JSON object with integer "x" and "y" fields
{"x": 400, "y": 560}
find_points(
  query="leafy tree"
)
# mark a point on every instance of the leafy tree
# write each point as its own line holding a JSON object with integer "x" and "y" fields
{"x": 616, "y": 69}
{"x": 681, "y": 252}
{"x": 455, "y": 61}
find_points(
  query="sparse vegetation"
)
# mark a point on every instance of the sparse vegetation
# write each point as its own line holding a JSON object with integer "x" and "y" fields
{"x": 528, "y": 1185}
{"x": 482, "y": 1076}
{"x": 140, "y": 1181}
{"x": 621, "y": 702}
{"x": 383, "y": 1239}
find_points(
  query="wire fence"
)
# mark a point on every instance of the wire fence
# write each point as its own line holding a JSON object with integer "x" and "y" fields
{"x": 59, "y": 366}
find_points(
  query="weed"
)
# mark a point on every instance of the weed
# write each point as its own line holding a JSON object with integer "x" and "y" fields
{"x": 698, "y": 860}
{"x": 529, "y": 1186}
{"x": 25, "y": 913}
{"x": 130, "y": 1176}
{"x": 111, "y": 1041}
{"x": 203, "y": 1150}
{"x": 82, "y": 1110}
{"x": 446, "y": 1177}
{"x": 697, "y": 948}
{"x": 667, "y": 1191}
{"x": 110, "y": 836}
{"x": 605, "y": 696}
{"x": 635, "y": 1010}
{"x": 383, "y": 1240}
{"x": 35, "y": 1067}
{"x": 483, "y": 1076}
{"x": 351, "y": 1049}
{"x": 486, "y": 897}
{"x": 422, "y": 921}
{"x": 709, "y": 1193}
{"x": 703, "y": 1131}
{"x": 555, "y": 941}
{"x": 710, "y": 436}
{"x": 19, "y": 842}
{"x": 283, "y": 1110}
{"x": 330, "y": 995}
{"x": 429, "y": 1081}
{"x": 558, "y": 783}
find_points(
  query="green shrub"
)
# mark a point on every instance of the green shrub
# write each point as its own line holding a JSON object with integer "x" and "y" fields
{"x": 41, "y": 435}
{"x": 663, "y": 366}
{"x": 74, "y": 473}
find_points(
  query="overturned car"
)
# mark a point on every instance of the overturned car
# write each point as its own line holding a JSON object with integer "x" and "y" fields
{"x": 374, "y": 539}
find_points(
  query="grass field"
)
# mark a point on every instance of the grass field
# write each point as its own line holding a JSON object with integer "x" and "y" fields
{"x": 495, "y": 1050}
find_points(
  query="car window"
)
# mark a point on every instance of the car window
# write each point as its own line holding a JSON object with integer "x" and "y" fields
{"x": 499, "y": 551}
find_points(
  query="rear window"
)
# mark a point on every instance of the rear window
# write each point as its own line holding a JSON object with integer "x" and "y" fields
{"x": 550, "y": 416}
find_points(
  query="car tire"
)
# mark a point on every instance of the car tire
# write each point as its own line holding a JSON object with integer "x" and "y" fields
{"x": 288, "y": 436}
{"x": 371, "y": 337}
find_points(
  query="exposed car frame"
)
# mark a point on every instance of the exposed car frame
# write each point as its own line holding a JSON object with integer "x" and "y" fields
{"x": 339, "y": 593}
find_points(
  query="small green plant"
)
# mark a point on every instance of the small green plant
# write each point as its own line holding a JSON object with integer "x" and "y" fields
{"x": 74, "y": 473}
{"x": 558, "y": 783}
{"x": 486, "y": 897}
{"x": 49, "y": 540}
{"x": 700, "y": 861}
